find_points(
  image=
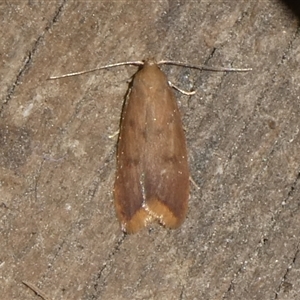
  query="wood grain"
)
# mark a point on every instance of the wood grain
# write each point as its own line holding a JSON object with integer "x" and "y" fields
{"x": 240, "y": 239}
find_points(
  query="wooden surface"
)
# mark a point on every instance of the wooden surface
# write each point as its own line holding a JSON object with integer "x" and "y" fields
{"x": 58, "y": 225}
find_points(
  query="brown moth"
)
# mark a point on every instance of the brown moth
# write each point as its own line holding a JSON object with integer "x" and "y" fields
{"x": 152, "y": 178}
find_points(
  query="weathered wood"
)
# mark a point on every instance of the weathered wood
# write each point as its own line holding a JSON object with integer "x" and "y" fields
{"x": 58, "y": 225}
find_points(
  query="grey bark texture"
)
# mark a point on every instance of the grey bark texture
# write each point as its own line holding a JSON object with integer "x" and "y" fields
{"x": 58, "y": 228}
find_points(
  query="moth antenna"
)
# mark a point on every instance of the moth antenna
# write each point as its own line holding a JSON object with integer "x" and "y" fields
{"x": 203, "y": 67}
{"x": 137, "y": 63}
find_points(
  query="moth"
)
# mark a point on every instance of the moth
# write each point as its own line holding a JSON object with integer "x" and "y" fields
{"x": 152, "y": 177}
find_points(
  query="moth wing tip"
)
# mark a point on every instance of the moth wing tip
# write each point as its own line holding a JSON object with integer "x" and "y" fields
{"x": 164, "y": 214}
{"x": 138, "y": 221}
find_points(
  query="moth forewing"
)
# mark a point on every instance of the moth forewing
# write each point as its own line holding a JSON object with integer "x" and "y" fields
{"x": 152, "y": 181}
